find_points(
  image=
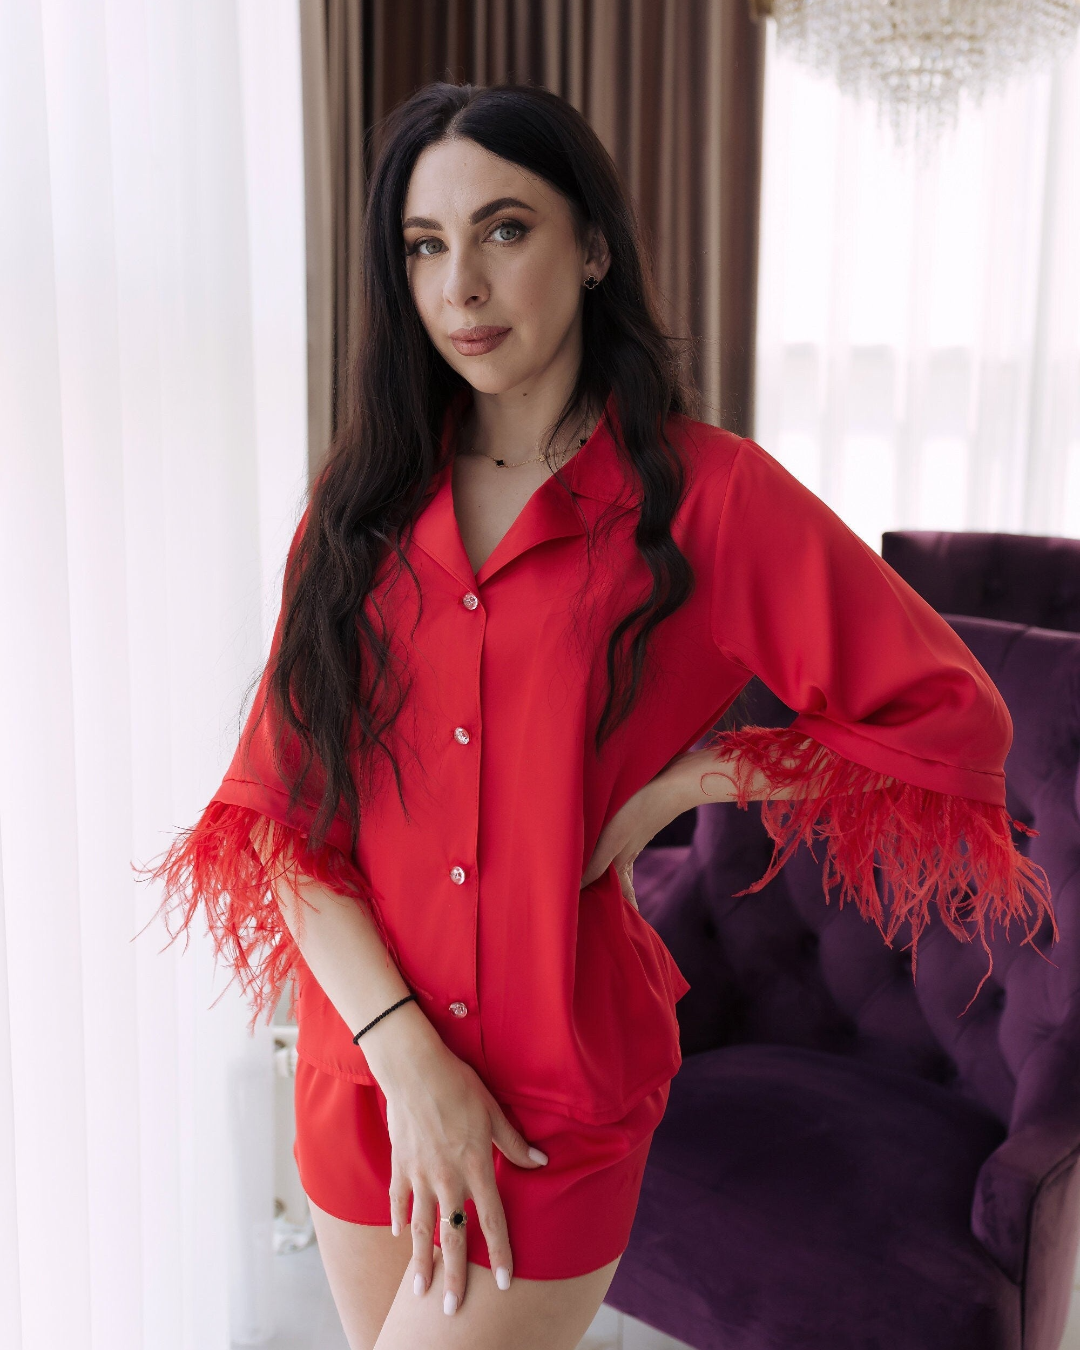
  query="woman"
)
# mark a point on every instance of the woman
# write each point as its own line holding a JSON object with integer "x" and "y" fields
{"x": 527, "y": 584}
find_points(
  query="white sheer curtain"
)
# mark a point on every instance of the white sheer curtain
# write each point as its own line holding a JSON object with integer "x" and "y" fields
{"x": 919, "y": 323}
{"x": 152, "y": 467}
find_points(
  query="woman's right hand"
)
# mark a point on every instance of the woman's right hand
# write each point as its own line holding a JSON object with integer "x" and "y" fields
{"x": 442, "y": 1122}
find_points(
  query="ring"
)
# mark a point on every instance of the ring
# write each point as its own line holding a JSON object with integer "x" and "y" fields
{"x": 457, "y": 1219}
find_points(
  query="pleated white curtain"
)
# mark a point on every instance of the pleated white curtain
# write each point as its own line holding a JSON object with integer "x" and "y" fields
{"x": 152, "y": 467}
{"x": 918, "y": 349}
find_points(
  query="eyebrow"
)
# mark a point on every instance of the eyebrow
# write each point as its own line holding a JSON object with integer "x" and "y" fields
{"x": 481, "y": 213}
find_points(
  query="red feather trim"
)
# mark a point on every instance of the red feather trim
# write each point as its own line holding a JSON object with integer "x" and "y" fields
{"x": 215, "y": 866}
{"x": 930, "y": 847}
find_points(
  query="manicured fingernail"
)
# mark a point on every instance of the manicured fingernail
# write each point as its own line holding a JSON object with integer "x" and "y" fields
{"x": 502, "y": 1278}
{"x": 449, "y": 1303}
{"x": 418, "y": 1283}
{"x": 537, "y": 1156}
{"x": 394, "y": 1228}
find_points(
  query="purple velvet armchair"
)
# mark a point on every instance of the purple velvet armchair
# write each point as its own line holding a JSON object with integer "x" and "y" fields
{"x": 1020, "y": 578}
{"x": 846, "y": 1163}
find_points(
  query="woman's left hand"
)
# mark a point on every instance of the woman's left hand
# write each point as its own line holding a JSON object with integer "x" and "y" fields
{"x": 637, "y": 821}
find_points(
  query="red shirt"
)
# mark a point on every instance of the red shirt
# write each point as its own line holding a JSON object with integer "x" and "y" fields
{"x": 560, "y": 996}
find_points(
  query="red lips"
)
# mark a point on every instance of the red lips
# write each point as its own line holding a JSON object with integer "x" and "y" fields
{"x": 481, "y": 330}
{"x": 479, "y": 340}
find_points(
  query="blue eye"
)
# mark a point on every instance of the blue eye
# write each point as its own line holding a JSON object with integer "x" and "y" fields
{"x": 514, "y": 225}
{"x": 521, "y": 229}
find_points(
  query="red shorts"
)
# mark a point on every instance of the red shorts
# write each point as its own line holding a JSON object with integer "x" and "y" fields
{"x": 567, "y": 1217}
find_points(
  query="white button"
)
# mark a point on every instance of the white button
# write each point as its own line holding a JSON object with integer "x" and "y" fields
{"x": 458, "y": 1009}
{"x": 461, "y": 735}
{"x": 457, "y": 875}
{"x": 469, "y": 600}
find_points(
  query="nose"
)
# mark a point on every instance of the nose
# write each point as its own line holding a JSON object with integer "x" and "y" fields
{"x": 465, "y": 282}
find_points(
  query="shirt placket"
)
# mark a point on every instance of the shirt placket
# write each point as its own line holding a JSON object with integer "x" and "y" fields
{"x": 462, "y": 834}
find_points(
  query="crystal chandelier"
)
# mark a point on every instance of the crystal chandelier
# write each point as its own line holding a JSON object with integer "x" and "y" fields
{"x": 913, "y": 57}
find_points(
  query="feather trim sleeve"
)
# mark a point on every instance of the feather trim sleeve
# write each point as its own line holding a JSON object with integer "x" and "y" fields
{"x": 895, "y": 762}
{"x": 214, "y": 869}
{"x": 931, "y": 848}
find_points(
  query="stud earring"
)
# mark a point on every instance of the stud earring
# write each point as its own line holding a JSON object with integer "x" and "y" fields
{"x": 591, "y": 282}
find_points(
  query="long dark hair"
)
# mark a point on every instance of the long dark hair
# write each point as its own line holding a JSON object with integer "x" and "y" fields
{"x": 331, "y": 675}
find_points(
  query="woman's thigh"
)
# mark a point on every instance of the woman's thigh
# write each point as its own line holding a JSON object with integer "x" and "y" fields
{"x": 364, "y": 1265}
{"x": 530, "y": 1315}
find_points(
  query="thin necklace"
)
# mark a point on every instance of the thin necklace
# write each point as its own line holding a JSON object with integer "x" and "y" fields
{"x": 502, "y": 463}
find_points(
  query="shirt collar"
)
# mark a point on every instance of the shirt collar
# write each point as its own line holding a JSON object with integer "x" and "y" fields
{"x": 595, "y": 472}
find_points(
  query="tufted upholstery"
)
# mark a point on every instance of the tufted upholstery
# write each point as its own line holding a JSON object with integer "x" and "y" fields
{"x": 845, "y": 1161}
{"x": 1019, "y": 578}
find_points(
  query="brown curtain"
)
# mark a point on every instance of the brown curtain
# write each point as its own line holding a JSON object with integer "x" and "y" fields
{"x": 672, "y": 87}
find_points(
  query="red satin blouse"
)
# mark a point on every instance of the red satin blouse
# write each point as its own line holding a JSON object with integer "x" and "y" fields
{"x": 565, "y": 997}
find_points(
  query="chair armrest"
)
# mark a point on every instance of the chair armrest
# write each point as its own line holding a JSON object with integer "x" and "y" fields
{"x": 1011, "y": 1179}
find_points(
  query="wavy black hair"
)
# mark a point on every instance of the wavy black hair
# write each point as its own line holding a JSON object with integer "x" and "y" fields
{"x": 331, "y": 673}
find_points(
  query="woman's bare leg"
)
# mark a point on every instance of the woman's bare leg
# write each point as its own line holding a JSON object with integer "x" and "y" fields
{"x": 530, "y": 1315}
{"x": 364, "y": 1265}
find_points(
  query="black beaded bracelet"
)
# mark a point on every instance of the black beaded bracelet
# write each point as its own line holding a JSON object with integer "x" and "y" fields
{"x": 381, "y": 1016}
